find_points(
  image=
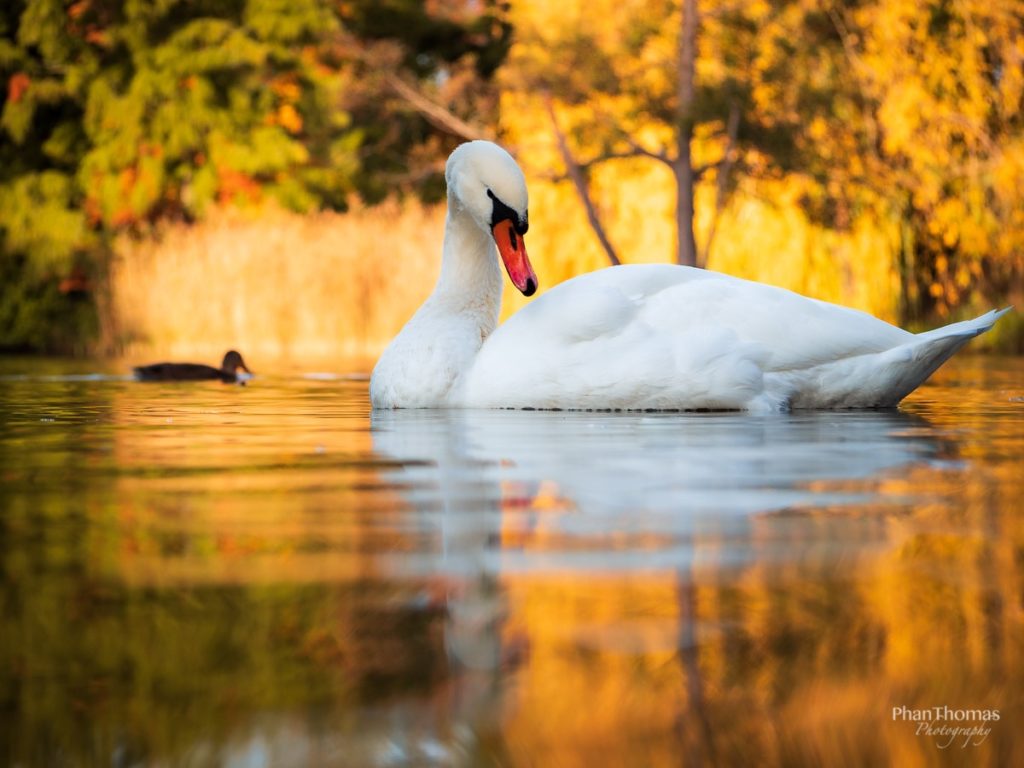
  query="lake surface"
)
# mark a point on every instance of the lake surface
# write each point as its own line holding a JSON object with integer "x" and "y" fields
{"x": 270, "y": 575}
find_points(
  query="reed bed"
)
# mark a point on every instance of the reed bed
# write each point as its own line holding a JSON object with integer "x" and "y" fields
{"x": 276, "y": 285}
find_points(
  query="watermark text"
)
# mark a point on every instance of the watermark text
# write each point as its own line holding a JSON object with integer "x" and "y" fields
{"x": 949, "y": 726}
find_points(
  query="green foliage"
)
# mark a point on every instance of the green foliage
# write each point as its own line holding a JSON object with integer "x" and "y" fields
{"x": 39, "y": 218}
{"x": 119, "y": 113}
{"x": 42, "y": 235}
{"x": 39, "y": 313}
{"x": 220, "y": 91}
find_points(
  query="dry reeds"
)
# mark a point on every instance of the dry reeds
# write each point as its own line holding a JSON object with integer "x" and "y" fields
{"x": 276, "y": 285}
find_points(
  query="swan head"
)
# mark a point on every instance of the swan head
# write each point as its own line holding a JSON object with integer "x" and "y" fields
{"x": 486, "y": 182}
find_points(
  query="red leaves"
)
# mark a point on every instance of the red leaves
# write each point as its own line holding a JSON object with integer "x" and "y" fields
{"x": 76, "y": 282}
{"x": 236, "y": 186}
{"x": 17, "y": 86}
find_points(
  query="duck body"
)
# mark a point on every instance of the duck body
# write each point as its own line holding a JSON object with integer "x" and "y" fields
{"x": 636, "y": 337}
{"x": 227, "y": 373}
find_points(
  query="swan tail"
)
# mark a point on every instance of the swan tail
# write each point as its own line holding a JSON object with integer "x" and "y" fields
{"x": 928, "y": 351}
{"x": 883, "y": 379}
{"x": 967, "y": 329}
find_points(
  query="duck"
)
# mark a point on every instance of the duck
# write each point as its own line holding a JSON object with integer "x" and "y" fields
{"x": 228, "y": 371}
{"x": 630, "y": 337}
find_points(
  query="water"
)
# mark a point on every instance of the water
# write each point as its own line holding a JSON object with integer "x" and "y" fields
{"x": 270, "y": 575}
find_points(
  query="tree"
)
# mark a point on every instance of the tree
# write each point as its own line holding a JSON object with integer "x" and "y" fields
{"x": 423, "y": 82}
{"x": 622, "y": 83}
{"x": 119, "y": 114}
{"x": 942, "y": 89}
{"x": 899, "y": 117}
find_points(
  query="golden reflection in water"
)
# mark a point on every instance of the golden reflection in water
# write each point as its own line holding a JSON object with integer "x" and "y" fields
{"x": 284, "y": 501}
{"x": 269, "y": 564}
{"x": 800, "y": 661}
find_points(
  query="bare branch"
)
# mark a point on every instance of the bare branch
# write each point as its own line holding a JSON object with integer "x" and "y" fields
{"x": 630, "y": 154}
{"x": 839, "y": 23}
{"x": 604, "y": 157}
{"x": 636, "y": 148}
{"x": 440, "y": 116}
{"x": 579, "y": 180}
{"x": 661, "y": 157}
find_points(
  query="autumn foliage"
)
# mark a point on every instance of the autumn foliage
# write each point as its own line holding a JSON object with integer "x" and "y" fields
{"x": 870, "y": 153}
{"x": 891, "y": 121}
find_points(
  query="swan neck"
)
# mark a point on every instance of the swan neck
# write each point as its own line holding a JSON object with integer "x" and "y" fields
{"x": 470, "y": 278}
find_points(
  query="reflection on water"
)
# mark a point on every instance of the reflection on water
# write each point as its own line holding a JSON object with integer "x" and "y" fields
{"x": 629, "y": 492}
{"x": 270, "y": 576}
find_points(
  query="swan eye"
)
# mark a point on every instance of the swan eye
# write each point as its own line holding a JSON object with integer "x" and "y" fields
{"x": 502, "y": 212}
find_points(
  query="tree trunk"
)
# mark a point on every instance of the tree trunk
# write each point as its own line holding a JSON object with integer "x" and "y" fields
{"x": 694, "y": 725}
{"x": 686, "y": 245}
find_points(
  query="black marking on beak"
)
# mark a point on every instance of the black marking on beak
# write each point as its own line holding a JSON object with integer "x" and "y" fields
{"x": 531, "y": 287}
{"x": 502, "y": 212}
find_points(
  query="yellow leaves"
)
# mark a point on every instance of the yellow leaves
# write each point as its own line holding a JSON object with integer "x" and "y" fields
{"x": 950, "y": 237}
{"x": 818, "y": 129}
{"x": 655, "y": 65}
{"x": 963, "y": 277}
{"x": 1011, "y": 84}
{"x": 900, "y": 114}
{"x": 916, "y": 139}
{"x": 289, "y": 118}
{"x": 1008, "y": 181}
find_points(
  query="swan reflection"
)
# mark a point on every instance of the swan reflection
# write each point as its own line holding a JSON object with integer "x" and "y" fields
{"x": 624, "y": 497}
{"x": 514, "y": 490}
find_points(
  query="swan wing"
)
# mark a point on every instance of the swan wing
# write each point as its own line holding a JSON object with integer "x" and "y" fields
{"x": 796, "y": 332}
{"x": 663, "y": 336}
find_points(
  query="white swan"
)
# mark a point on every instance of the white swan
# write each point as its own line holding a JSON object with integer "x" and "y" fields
{"x": 650, "y": 336}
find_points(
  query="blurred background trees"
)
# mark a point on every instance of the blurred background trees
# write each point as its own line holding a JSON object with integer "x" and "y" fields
{"x": 865, "y": 152}
{"x": 941, "y": 91}
{"x": 119, "y": 114}
{"x": 906, "y": 111}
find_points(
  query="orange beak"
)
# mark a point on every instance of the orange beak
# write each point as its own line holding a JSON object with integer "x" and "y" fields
{"x": 513, "y": 252}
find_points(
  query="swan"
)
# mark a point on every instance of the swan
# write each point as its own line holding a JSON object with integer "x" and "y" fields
{"x": 631, "y": 337}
